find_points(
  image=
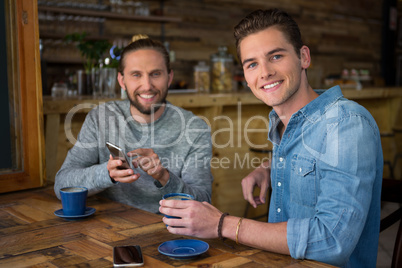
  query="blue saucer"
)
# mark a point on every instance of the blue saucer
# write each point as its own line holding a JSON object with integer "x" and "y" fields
{"x": 88, "y": 212}
{"x": 183, "y": 249}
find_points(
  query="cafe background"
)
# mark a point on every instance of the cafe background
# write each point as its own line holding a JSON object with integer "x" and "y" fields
{"x": 356, "y": 44}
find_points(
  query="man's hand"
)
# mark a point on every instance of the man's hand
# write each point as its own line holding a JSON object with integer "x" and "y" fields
{"x": 118, "y": 174}
{"x": 149, "y": 161}
{"x": 197, "y": 219}
{"x": 261, "y": 178}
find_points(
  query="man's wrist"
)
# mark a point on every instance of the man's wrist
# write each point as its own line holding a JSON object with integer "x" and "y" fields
{"x": 220, "y": 225}
{"x": 165, "y": 177}
{"x": 266, "y": 165}
{"x": 229, "y": 227}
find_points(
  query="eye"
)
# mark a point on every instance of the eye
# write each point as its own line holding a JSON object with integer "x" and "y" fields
{"x": 135, "y": 74}
{"x": 276, "y": 57}
{"x": 251, "y": 65}
{"x": 156, "y": 74}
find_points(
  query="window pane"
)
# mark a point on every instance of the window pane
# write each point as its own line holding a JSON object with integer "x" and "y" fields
{"x": 10, "y": 131}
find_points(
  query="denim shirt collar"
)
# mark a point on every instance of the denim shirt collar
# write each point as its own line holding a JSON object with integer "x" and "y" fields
{"x": 312, "y": 111}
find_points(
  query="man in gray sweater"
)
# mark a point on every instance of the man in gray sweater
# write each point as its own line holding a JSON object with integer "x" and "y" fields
{"x": 172, "y": 147}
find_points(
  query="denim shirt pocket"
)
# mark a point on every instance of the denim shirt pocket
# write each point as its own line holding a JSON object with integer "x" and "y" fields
{"x": 303, "y": 181}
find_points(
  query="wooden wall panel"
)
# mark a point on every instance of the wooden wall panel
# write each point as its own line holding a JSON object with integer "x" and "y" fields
{"x": 340, "y": 33}
{"x": 347, "y": 32}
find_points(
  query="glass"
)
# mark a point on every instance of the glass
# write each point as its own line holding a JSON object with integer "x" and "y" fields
{"x": 141, "y": 9}
{"x": 201, "y": 77}
{"x": 222, "y": 71}
{"x": 11, "y": 157}
{"x": 59, "y": 90}
{"x": 95, "y": 76}
{"x": 81, "y": 81}
{"x": 108, "y": 82}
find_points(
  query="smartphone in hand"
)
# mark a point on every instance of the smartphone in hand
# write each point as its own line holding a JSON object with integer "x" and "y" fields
{"x": 119, "y": 154}
{"x": 127, "y": 256}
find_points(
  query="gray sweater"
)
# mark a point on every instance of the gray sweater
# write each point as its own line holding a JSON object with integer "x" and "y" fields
{"x": 181, "y": 140}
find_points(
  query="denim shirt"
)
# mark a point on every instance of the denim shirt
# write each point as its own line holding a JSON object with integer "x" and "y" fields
{"x": 326, "y": 176}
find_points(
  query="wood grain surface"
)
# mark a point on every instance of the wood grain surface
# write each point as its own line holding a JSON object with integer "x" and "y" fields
{"x": 32, "y": 236}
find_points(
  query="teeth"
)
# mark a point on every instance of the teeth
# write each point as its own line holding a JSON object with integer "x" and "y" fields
{"x": 145, "y": 96}
{"x": 271, "y": 85}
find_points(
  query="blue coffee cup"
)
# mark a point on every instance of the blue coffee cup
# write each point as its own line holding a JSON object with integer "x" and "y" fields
{"x": 177, "y": 196}
{"x": 73, "y": 200}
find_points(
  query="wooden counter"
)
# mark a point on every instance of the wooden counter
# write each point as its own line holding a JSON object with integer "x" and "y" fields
{"x": 194, "y": 100}
{"x": 238, "y": 121}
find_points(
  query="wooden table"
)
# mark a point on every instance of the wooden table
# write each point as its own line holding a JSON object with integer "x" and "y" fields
{"x": 31, "y": 235}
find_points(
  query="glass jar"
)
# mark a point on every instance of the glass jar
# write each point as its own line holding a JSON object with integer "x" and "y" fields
{"x": 201, "y": 77}
{"x": 221, "y": 71}
{"x": 59, "y": 90}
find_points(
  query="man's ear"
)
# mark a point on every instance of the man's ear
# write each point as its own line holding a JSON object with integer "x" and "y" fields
{"x": 120, "y": 78}
{"x": 170, "y": 78}
{"x": 305, "y": 58}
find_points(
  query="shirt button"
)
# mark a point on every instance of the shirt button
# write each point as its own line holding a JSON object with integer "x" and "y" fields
{"x": 300, "y": 170}
{"x": 279, "y": 184}
{"x": 278, "y": 210}
{"x": 281, "y": 159}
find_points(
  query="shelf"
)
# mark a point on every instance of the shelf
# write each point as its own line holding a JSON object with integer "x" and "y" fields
{"x": 53, "y": 39}
{"x": 109, "y": 15}
{"x": 45, "y": 35}
{"x": 63, "y": 60}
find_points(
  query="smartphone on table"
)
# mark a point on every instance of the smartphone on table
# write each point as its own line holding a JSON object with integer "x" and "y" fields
{"x": 119, "y": 154}
{"x": 127, "y": 256}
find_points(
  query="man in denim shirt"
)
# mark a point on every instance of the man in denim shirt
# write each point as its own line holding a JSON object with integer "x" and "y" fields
{"x": 326, "y": 168}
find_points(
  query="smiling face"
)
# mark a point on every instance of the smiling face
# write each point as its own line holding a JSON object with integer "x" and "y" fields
{"x": 146, "y": 80}
{"x": 273, "y": 71}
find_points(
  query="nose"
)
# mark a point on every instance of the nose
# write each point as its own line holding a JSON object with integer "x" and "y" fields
{"x": 146, "y": 82}
{"x": 267, "y": 70}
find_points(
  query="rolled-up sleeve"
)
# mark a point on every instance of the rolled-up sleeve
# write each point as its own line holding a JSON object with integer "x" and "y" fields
{"x": 346, "y": 171}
